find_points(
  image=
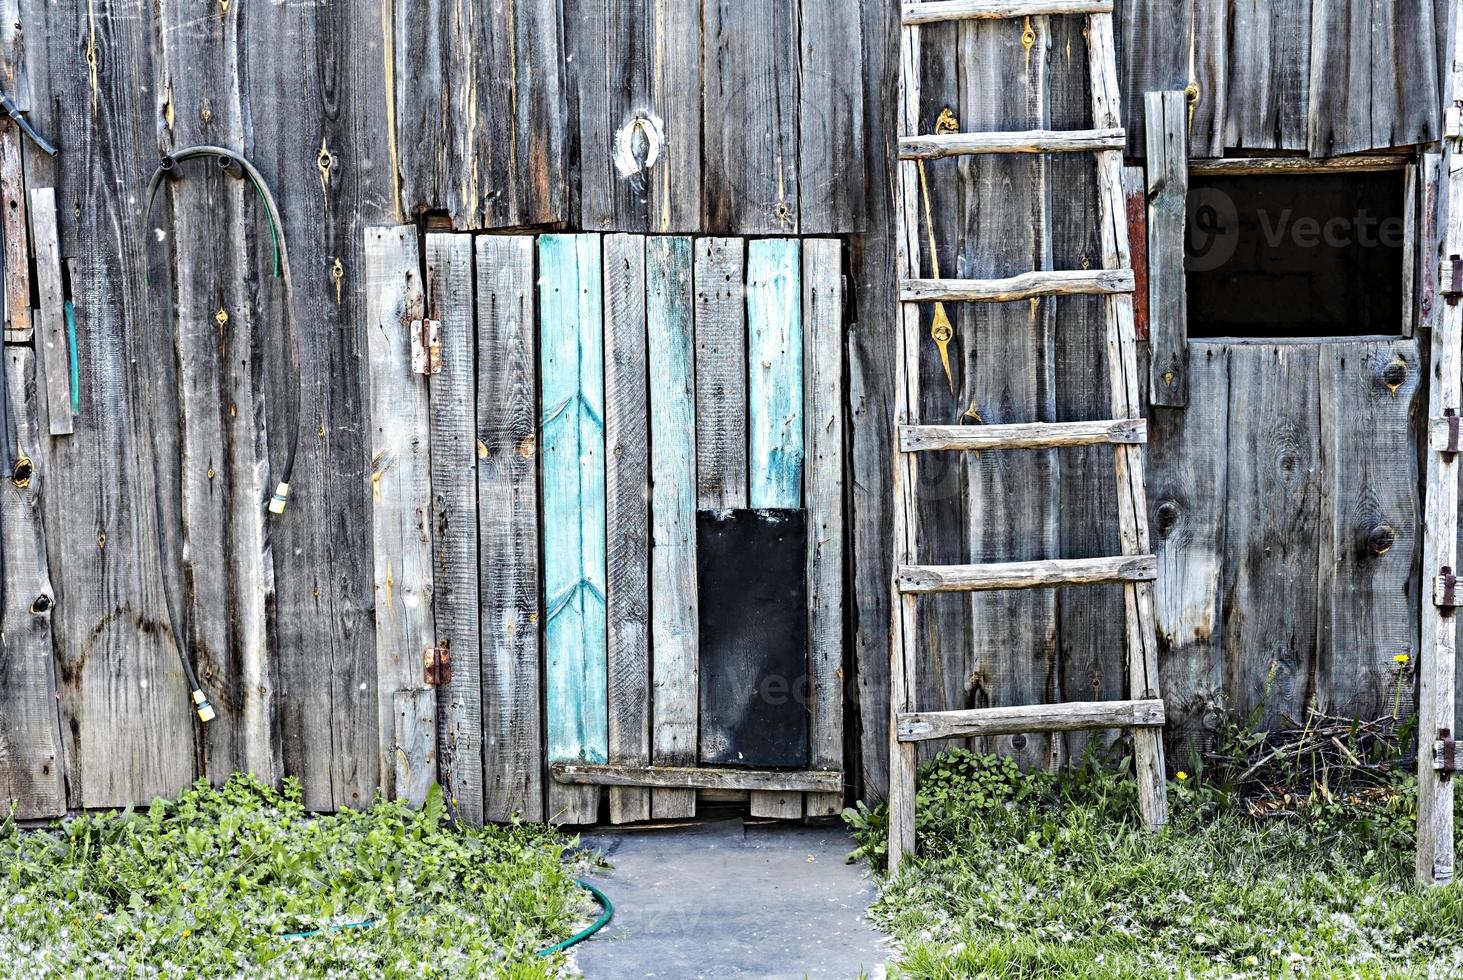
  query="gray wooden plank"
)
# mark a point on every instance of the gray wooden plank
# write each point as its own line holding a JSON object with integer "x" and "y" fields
{"x": 487, "y": 155}
{"x": 31, "y": 767}
{"x": 508, "y": 528}
{"x": 832, "y": 190}
{"x": 1272, "y": 541}
{"x": 455, "y": 602}
{"x": 721, "y": 373}
{"x": 627, "y": 517}
{"x": 635, "y": 93}
{"x": 670, "y": 322}
{"x": 14, "y": 230}
{"x": 749, "y": 118}
{"x": 414, "y": 735}
{"x": 127, "y": 721}
{"x": 823, "y": 488}
{"x": 399, "y": 481}
{"x": 1165, "y": 46}
{"x": 323, "y": 630}
{"x": 50, "y": 315}
{"x": 1374, "y": 76}
{"x": 1268, "y": 74}
{"x": 1367, "y": 609}
{"x": 1168, "y": 189}
{"x": 1188, "y": 453}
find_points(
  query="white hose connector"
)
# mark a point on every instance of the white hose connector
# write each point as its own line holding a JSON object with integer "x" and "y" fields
{"x": 205, "y": 709}
{"x": 280, "y": 498}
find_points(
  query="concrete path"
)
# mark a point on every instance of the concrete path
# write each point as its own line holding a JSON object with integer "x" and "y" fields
{"x": 723, "y": 899}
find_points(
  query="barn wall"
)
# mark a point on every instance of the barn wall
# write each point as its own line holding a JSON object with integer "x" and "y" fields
{"x": 777, "y": 117}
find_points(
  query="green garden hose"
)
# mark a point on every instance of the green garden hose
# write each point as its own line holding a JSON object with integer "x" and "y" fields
{"x": 607, "y": 912}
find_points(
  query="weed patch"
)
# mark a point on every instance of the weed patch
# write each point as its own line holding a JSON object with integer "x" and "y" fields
{"x": 210, "y": 883}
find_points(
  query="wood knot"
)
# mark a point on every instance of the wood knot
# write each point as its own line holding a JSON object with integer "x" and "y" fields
{"x": 21, "y": 472}
{"x": 1381, "y": 539}
{"x": 41, "y": 604}
{"x": 1167, "y": 516}
{"x": 1394, "y": 374}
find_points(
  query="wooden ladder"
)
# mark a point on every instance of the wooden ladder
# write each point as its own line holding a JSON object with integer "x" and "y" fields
{"x": 1126, "y": 431}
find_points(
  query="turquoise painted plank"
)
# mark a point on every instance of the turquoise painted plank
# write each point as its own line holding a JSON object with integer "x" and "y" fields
{"x": 774, "y": 373}
{"x": 670, "y": 347}
{"x": 571, "y": 333}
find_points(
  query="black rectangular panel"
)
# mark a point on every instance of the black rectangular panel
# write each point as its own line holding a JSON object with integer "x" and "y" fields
{"x": 752, "y": 594}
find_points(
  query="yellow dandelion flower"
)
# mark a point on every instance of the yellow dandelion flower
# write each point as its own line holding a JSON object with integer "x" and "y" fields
{"x": 187, "y": 933}
{"x": 1401, "y": 658}
{"x": 1181, "y": 775}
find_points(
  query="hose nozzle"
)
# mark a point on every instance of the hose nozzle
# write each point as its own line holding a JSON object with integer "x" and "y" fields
{"x": 203, "y": 706}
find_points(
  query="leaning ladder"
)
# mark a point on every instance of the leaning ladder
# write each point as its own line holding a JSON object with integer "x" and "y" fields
{"x": 1126, "y": 431}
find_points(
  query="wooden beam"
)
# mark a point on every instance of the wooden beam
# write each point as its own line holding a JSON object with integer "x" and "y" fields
{"x": 1072, "y": 716}
{"x": 50, "y": 311}
{"x": 1027, "y": 141}
{"x": 1027, "y": 285}
{"x": 700, "y": 777}
{"x": 1262, "y": 166}
{"x": 18, "y": 329}
{"x": 1042, "y": 574}
{"x": 1168, "y": 187}
{"x": 1022, "y": 435}
{"x": 937, "y": 11}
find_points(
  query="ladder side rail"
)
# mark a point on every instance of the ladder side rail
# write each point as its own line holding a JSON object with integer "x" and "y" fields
{"x": 1141, "y": 627}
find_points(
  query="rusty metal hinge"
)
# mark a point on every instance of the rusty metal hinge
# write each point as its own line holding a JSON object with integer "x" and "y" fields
{"x": 437, "y": 665}
{"x": 1454, "y": 291}
{"x": 1445, "y": 753}
{"x": 426, "y": 346}
{"x": 1445, "y": 588}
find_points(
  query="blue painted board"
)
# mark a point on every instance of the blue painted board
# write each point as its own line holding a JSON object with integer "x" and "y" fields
{"x": 571, "y": 365}
{"x": 774, "y": 373}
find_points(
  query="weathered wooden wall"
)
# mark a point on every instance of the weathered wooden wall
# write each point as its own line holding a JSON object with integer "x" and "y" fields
{"x": 777, "y": 119}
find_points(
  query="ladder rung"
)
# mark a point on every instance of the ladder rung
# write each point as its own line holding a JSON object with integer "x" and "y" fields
{"x": 1028, "y": 285}
{"x": 919, "y": 579}
{"x": 1026, "y": 141}
{"x": 943, "y": 10}
{"x": 1022, "y": 435}
{"x": 1071, "y": 716}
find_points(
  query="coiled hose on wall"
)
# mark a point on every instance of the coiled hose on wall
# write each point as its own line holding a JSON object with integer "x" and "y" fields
{"x": 234, "y": 164}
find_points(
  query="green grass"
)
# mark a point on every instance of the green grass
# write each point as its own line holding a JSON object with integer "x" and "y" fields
{"x": 207, "y": 884}
{"x": 1031, "y": 875}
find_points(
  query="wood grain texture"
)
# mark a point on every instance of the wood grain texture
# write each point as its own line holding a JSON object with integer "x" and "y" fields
{"x": 571, "y": 421}
{"x": 671, "y": 353}
{"x": 636, "y": 79}
{"x": 721, "y": 373}
{"x": 127, "y": 723}
{"x": 1168, "y": 189}
{"x": 823, "y": 496}
{"x": 456, "y": 605}
{"x": 51, "y": 347}
{"x": 15, "y": 232}
{"x": 832, "y": 149}
{"x": 508, "y": 528}
{"x": 1071, "y": 716}
{"x": 414, "y": 735}
{"x": 1167, "y": 46}
{"x": 1367, "y": 588}
{"x": 774, "y": 373}
{"x": 481, "y": 111}
{"x": 1373, "y": 76}
{"x": 1027, "y": 285}
{"x": 935, "y": 11}
{"x": 1023, "y": 141}
{"x": 322, "y": 630}
{"x": 1188, "y": 496}
{"x": 31, "y": 765}
{"x": 690, "y": 778}
{"x": 1044, "y": 573}
{"x": 400, "y": 481}
{"x": 749, "y": 119}
{"x": 1268, "y": 74}
{"x": 1021, "y": 435}
{"x": 627, "y": 515}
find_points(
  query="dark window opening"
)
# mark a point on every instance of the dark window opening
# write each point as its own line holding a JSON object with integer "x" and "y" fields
{"x": 1297, "y": 255}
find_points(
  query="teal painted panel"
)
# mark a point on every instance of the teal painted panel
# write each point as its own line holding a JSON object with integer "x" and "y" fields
{"x": 571, "y": 364}
{"x": 774, "y": 373}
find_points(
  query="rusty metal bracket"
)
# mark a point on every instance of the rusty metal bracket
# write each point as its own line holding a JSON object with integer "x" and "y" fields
{"x": 1454, "y": 292}
{"x": 1445, "y": 588}
{"x": 1445, "y": 753}
{"x": 426, "y": 346}
{"x": 437, "y": 665}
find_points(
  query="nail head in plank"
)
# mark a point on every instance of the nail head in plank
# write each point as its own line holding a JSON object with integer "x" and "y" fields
{"x": 1071, "y": 716}
{"x": 508, "y": 528}
{"x": 571, "y": 352}
{"x": 1024, "y": 435}
{"x": 1026, "y": 141}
